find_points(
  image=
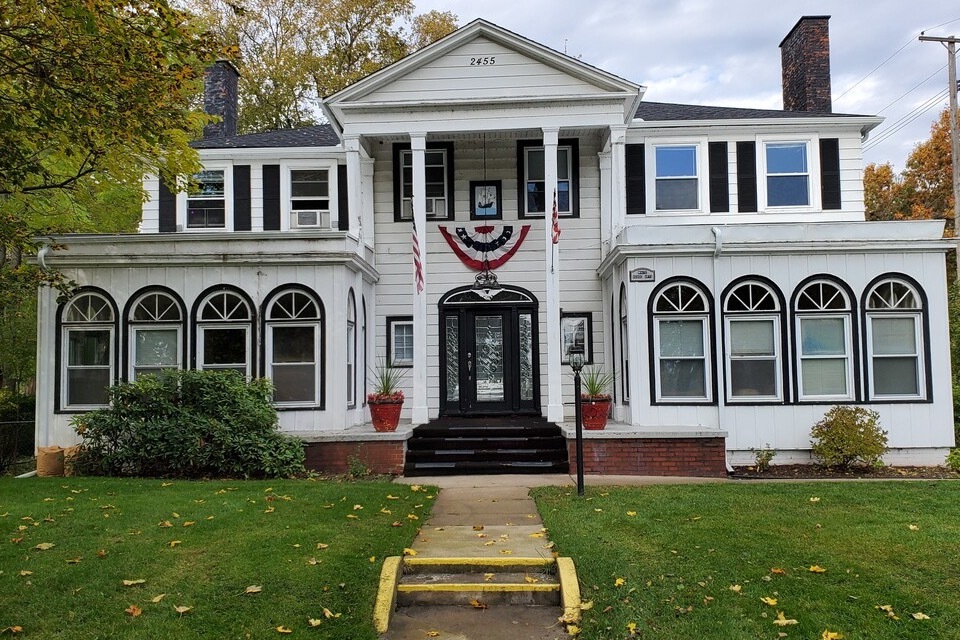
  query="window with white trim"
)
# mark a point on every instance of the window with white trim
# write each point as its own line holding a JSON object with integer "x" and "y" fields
{"x": 400, "y": 337}
{"x": 351, "y": 350}
{"x": 293, "y": 341}
{"x": 787, "y": 167}
{"x": 309, "y": 198}
{"x": 681, "y": 341}
{"x": 824, "y": 343}
{"x": 156, "y": 334}
{"x": 677, "y": 183}
{"x": 224, "y": 327}
{"x": 536, "y": 199}
{"x": 753, "y": 364}
{"x": 895, "y": 341}
{"x": 437, "y": 187}
{"x": 206, "y": 200}
{"x": 87, "y": 323}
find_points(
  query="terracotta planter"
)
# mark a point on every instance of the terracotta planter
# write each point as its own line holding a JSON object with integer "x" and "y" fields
{"x": 594, "y": 413}
{"x": 385, "y": 415}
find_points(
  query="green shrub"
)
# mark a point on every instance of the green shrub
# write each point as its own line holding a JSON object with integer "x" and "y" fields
{"x": 846, "y": 436}
{"x": 953, "y": 460}
{"x": 189, "y": 424}
{"x": 763, "y": 457}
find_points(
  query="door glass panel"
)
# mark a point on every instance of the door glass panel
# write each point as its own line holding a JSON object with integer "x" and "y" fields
{"x": 526, "y": 356}
{"x": 453, "y": 358}
{"x": 488, "y": 333}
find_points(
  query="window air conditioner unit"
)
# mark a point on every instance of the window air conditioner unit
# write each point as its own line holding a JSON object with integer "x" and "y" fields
{"x": 310, "y": 219}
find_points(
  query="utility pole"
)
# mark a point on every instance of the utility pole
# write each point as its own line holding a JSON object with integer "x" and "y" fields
{"x": 951, "y": 44}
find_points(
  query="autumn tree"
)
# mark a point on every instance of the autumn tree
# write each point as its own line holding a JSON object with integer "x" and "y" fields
{"x": 294, "y": 52}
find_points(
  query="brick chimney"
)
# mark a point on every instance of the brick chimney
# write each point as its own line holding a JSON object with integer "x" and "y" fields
{"x": 805, "y": 58}
{"x": 220, "y": 98}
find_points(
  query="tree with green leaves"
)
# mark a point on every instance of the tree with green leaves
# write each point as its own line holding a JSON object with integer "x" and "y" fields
{"x": 294, "y": 52}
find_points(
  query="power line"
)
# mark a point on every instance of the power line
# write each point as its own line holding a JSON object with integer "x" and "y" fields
{"x": 904, "y": 121}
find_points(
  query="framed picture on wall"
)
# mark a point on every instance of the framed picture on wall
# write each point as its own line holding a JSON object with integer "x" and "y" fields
{"x": 576, "y": 330}
{"x": 485, "y": 200}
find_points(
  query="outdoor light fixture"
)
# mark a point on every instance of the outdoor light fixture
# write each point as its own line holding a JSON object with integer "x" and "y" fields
{"x": 576, "y": 359}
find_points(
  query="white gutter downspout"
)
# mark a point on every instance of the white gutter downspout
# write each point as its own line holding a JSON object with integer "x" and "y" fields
{"x": 42, "y": 256}
{"x": 717, "y": 320}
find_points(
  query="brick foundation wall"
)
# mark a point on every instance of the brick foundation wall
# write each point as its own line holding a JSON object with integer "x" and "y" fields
{"x": 703, "y": 457}
{"x": 333, "y": 457}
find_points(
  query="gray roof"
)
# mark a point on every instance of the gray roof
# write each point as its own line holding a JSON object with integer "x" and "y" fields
{"x": 659, "y": 111}
{"x": 321, "y": 135}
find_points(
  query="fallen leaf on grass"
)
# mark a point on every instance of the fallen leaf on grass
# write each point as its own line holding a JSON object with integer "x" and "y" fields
{"x": 586, "y": 605}
{"x": 158, "y": 598}
{"x": 45, "y": 546}
{"x": 735, "y": 588}
{"x": 632, "y": 628}
{"x": 322, "y": 545}
{"x": 133, "y": 610}
{"x": 768, "y": 600}
{"x": 282, "y": 629}
{"x": 182, "y": 609}
{"x": 386, "y": 511}
{"x": 777, "y": 571}
{"x": 831, "y": 635}
{"x": 350, "y": 516}
{"x": 372, "y": 559}
{"x": 411, "y": 516}
{"x": 631, "y": 513}
{"x": 189, "y": 523}
{"x": 919, "y": 616}
{"x": 888, "y": 609}
{"x": 130, "y": 583}
{"x": 913, "y": 527}
{"x": 174, "y": 543}
{"x": 390, "y": 497}
{"x": 814, "y": 499}
{"x": 313, "y": 562}
{"x": 165, "y": 524}
{"x": 254, "y": 588}
{"x": 573, "y": 629}
{"x": 619, "y": 582}
{"x": 329, "y": 614}
{"x": 314, "y": 622}
{"x": 26, "y": 573}
{"x": 783, "y": 621}
{"x": 816, "y": 569}
{"x": 12, "y": 630}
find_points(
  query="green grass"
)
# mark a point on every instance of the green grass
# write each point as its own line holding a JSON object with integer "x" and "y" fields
{"x": 687, "y": 545}
{"x": 243, "y": 533}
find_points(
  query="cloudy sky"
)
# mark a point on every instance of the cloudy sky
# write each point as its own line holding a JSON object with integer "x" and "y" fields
{"x": 725, "y": 52}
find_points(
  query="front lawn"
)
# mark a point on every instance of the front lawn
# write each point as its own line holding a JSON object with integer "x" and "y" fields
{"x": 246, "y": 557}
{"x": 875, "y": 560}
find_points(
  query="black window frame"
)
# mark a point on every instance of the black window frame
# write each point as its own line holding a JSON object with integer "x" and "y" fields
{"x": 522, "y": 147}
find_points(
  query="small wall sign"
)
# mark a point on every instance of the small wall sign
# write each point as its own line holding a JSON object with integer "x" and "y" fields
{"x": 643, "y": 274}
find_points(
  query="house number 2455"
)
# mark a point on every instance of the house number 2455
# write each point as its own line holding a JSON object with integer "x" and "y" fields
{"x": 484, "y": 61}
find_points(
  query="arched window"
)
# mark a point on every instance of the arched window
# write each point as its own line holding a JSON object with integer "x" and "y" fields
{"x": 155, "y": 325}
{"x": 895, "y": 340}
{"x": 293, "y": 343}
{"x": 363, "y": 341}
{"x": 88, "y": 323}
{"x": 681, "y": 342}
{"x": 351, "y": 350}
{"x": 752, "y": 330}
{"x": 823, "y": 317}
{"x": 224, "y": 332}
{"x": 624, "y": 346}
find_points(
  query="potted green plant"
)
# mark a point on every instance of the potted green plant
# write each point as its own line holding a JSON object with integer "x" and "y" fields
{"x": 595, "y": 397}
{"x": 386, "y": 399}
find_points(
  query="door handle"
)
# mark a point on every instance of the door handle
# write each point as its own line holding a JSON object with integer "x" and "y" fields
{"x": 469, "y": 366}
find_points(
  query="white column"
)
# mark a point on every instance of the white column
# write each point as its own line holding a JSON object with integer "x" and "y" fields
{"x": 606, "y": 214}
{"x": 354, "y": 198}
{"x": 552, "y": 270}
{"x": 420, "y": 413}
{"x": 618, "y": 182}
{"x": 368, "y": 233}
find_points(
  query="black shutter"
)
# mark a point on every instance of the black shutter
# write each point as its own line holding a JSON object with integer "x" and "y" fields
{"x": 168, "y": 209}
{"x": 343, "y": 202}
{"x": 271, "y": 197}
{"x": 636, "y": 179}
{"x": 719, "y": 179}
{"x": 830, "y": 173}
{"x": 747, "y": 177}
{"x": 241, "y": 197}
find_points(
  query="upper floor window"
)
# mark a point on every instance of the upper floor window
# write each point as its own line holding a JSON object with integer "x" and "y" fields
{"x": 88, "y": 323}
{"x": 223, "y": 334}
{"x": 438, "y": 181}
{"x": 895, "y": 341}
{"x": 293, "y": 343}
{"x": 677, "y": 177}
{"x": 206, "y": 200}
{"x": 156, "y": 334}
{"x": 309, "y": 198}
{"x": 752, "y": 314}
{"x": 788, "y": 174}
{"x": 534, "y": 201}
{"x": 681, "y": 340}
{"x": 823, "y": 327}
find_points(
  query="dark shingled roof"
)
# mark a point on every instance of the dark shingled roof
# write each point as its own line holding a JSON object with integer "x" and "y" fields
{"x": 321, "y": 135}
{"x": 659, "y": 111}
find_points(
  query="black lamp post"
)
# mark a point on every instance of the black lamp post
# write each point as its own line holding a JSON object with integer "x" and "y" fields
{"x": 575, "y": 355}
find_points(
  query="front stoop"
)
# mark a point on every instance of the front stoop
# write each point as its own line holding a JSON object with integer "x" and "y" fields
{"x": 477, "y": 582}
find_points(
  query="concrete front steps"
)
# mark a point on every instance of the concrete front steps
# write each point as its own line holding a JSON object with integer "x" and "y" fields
{"x": 411, "y": 585}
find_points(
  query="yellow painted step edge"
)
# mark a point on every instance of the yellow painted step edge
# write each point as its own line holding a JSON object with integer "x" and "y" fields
{"x": 483, "y": 562}
{"x": 569, "y": 589}
{"x": 387, "y": 593}
{"x": 504, "y": 587}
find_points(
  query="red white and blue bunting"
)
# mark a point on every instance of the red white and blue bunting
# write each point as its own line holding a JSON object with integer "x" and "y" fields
{"x": 481, "y": 249}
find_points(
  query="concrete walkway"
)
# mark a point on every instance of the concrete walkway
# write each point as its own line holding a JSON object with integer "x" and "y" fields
{"x": 491, "y": 516}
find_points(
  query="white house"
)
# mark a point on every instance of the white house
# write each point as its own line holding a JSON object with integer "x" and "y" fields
{"x": 716, "y": 259}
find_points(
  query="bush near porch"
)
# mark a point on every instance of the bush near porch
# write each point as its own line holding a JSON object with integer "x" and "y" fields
{"x": 313, "y": 548}
{"x": 697, "y": 561}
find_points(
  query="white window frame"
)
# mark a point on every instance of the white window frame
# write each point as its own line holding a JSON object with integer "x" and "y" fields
{"x": 203, "y": 325}
{"x": 351, "y": 361}
{"x": 393, "y": 323}
{"x": 183, "y": 198}
{"x": 704, "y": 320}
{"x": 650, "y": 175}
{"x": 548, "y": 197}
{"x": 324, "y": 222}
{"x": 812, "y": 144}
{"x": 314, "y": 323}
{"x": 776, "y": 358}
{"x": 913, "y": 313}
{"x": 68, "y": 327}
{"x": 806, "y": 314}
{"x": 137, "y": 326}
{"x": 406, "y": 204}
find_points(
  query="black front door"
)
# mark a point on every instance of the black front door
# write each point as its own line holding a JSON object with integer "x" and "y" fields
{"x": 488, "y": 360}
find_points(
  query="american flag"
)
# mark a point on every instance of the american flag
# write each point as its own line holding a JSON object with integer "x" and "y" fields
{"x": 556, "y": 219}
{"x": 417, "y": 265}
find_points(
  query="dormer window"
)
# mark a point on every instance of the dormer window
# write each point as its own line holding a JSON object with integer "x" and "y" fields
{"x": 206, "y": 200}
{"x": 309, "y": 198}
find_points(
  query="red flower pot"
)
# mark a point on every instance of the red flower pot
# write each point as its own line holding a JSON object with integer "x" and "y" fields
{"x": 594, "y": 413}
{"x": 385, "y": 415}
